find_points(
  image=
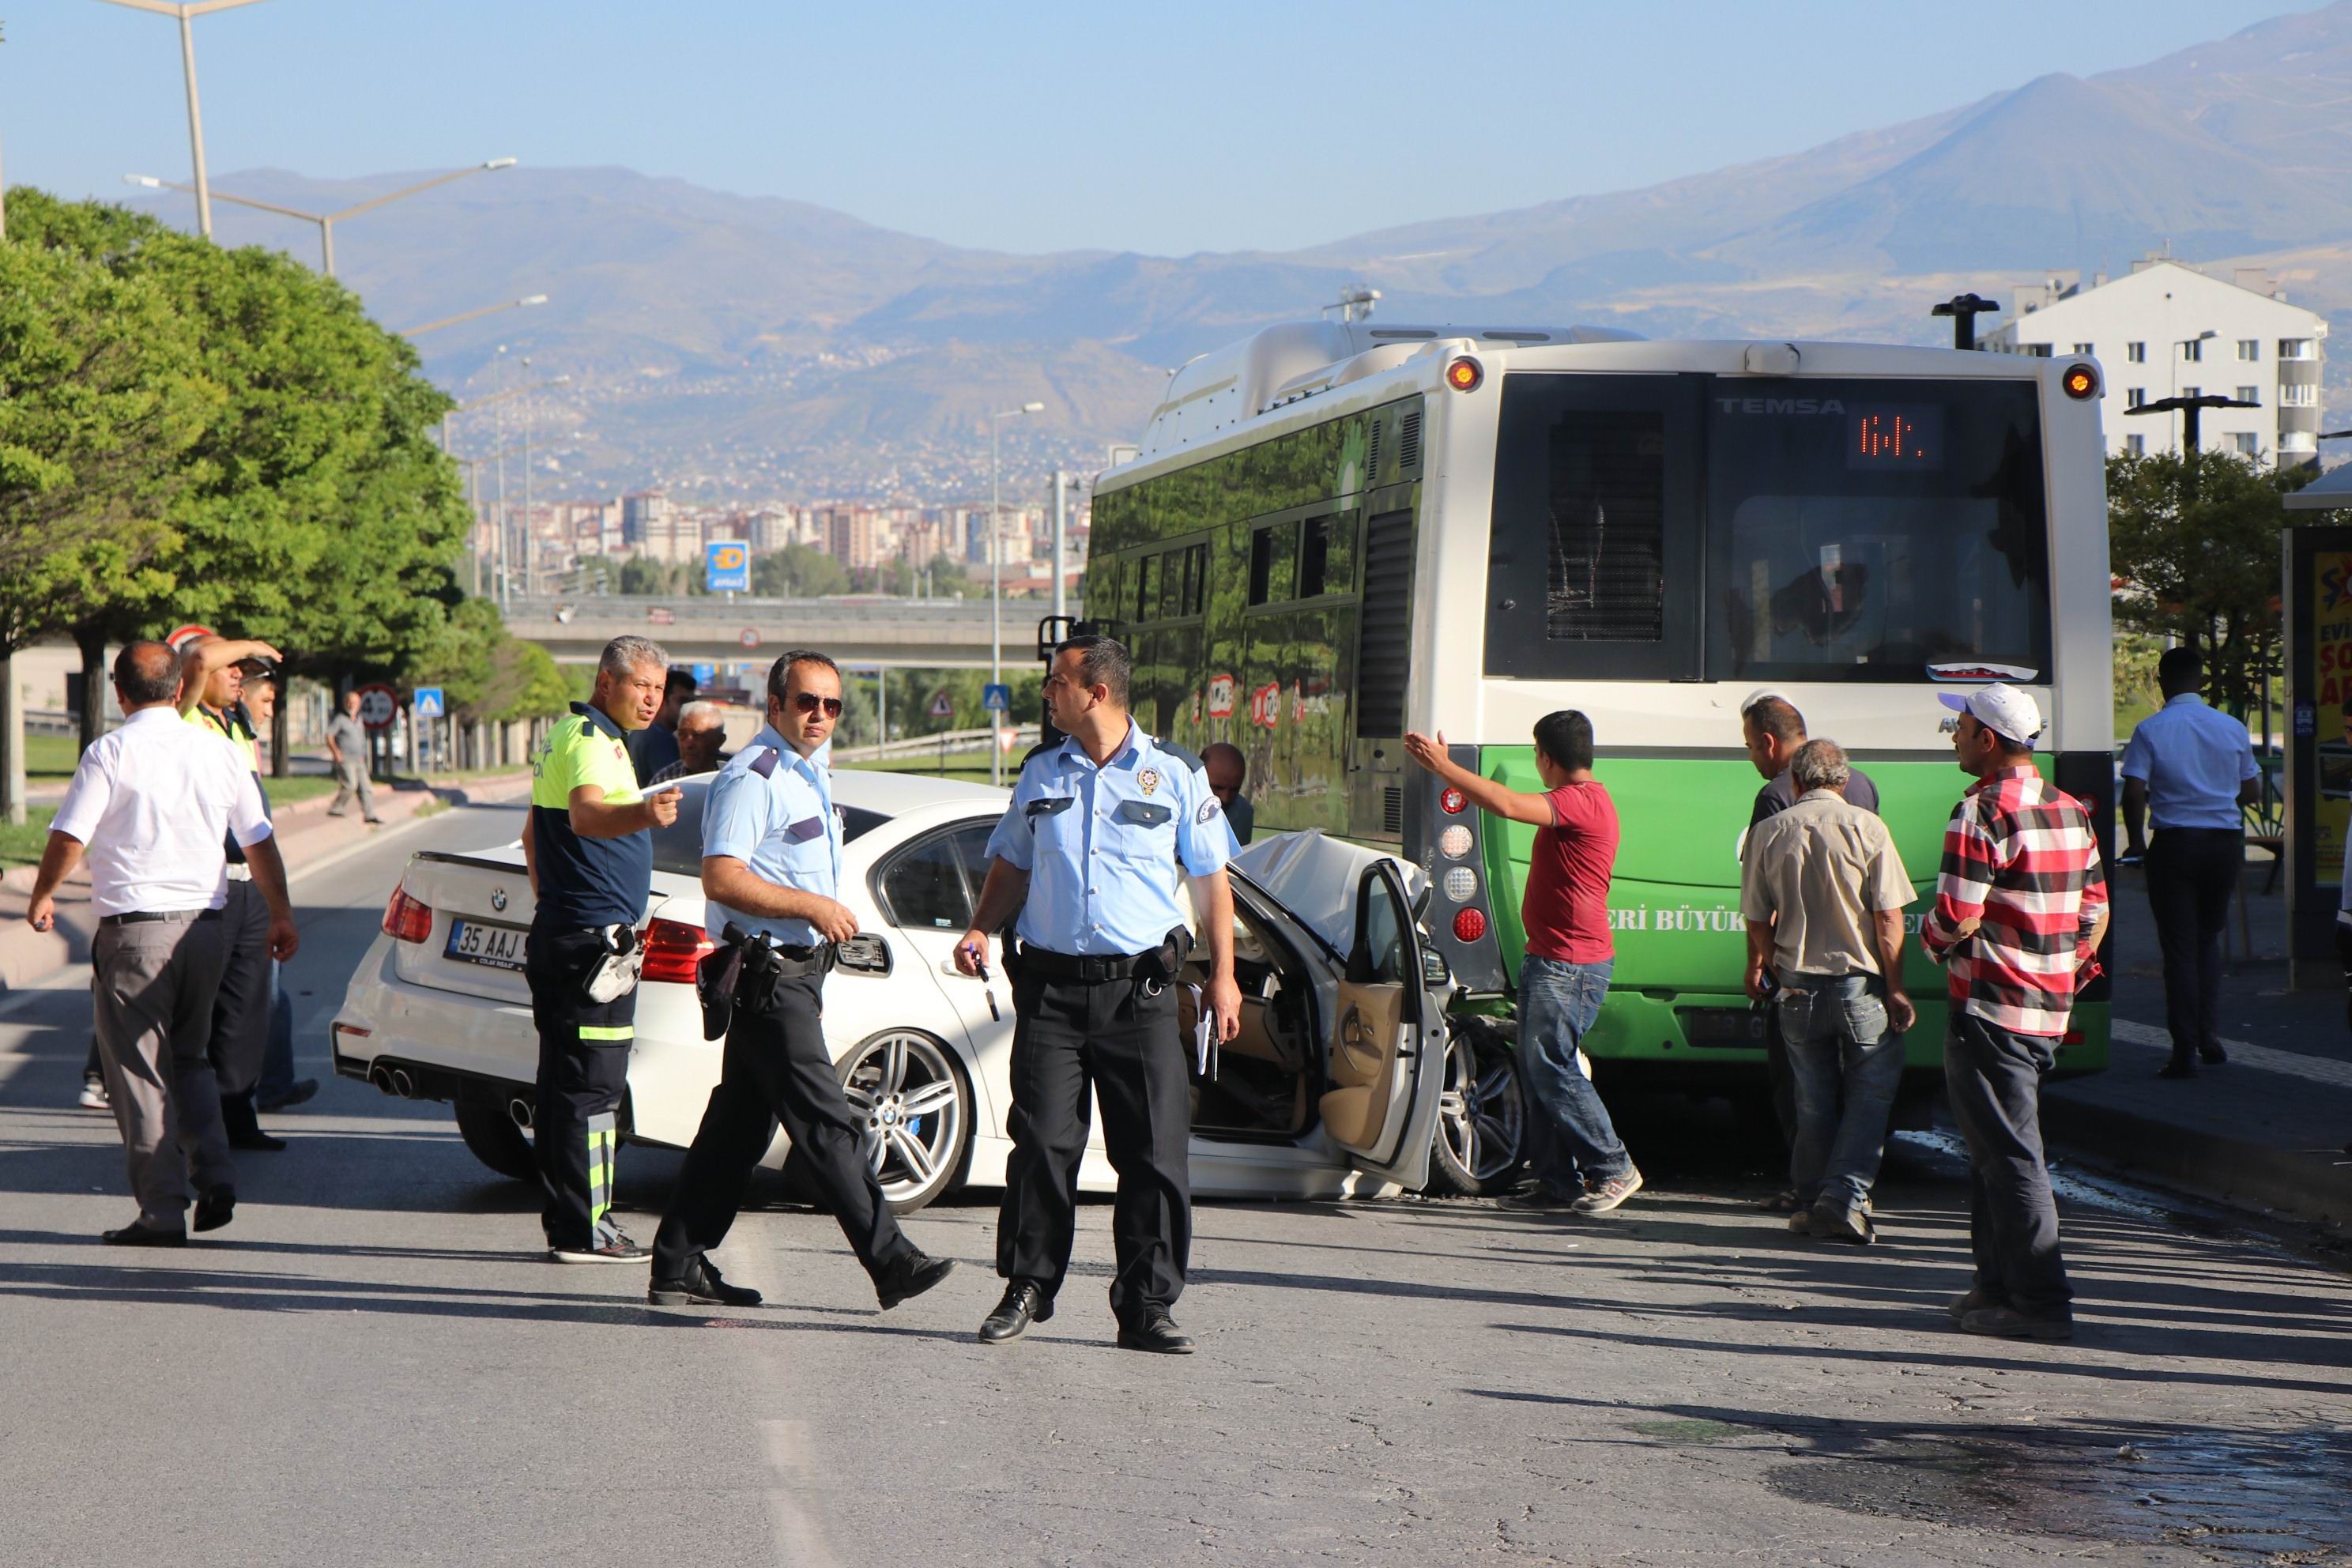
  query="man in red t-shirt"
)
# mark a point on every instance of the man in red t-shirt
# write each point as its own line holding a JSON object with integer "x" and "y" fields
{"x": 1579, "y": 1162}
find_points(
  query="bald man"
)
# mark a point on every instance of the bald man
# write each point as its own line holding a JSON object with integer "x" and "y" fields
{"x": 1228, "y": 770}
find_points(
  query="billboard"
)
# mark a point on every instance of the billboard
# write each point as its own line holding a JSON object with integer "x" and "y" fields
{"x": 727, "y": 566}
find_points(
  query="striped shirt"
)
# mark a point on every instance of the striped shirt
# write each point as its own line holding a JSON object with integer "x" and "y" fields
{"x": 2022, "y": 858}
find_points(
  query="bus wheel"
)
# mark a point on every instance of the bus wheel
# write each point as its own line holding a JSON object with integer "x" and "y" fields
{"x": 1476, "y": 1153}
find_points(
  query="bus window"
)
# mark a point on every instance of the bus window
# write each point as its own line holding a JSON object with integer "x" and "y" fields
{"x": 1172, "y": 569}
{"x": 1591, "y": 565}
{"x": 1314, "y": 556}
{"x": 1196, "y": 574}
{"x": 1274, "y": 551}
{"x": 1887, "y": 527}
{"x": 1147, "y": 590}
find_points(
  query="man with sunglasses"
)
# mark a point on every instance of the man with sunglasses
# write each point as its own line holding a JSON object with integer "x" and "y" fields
{"x": 1091, "y": 854}
{"x": 771, "y": 871}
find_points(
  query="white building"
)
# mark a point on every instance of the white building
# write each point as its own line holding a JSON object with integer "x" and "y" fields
{"x": 2167, "y": 330}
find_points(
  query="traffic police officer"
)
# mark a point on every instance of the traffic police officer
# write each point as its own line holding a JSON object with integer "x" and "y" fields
{"x": 588, "y": 841}
{"x": 212, "y": 697}
{"x": 1090, "y": 853}
{"x": 771, "y": 873}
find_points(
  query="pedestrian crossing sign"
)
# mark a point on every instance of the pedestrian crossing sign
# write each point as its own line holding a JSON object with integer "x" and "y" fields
{"x": 425, "y": 702}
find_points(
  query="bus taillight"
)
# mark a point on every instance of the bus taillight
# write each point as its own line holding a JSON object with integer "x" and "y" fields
{"x": 1454, "y": 842}
{"x": 1465, "y": 374}
{"x": 1469, "y": 925}
{"x": 1452, "y": 802}
{"x": 2081, "y": 382}
{"x": 1461, "y": 885}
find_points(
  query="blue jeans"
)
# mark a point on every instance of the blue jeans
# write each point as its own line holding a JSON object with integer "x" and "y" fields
{"x": 1835, "y": 1029}
{"x": 1569, "y": 1135}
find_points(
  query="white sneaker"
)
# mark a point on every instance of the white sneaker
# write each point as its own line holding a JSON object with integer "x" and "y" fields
{"x": 93, "y": 1094}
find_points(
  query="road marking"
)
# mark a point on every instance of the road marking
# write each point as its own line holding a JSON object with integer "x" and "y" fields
{"x": 798, "y": 1539}
{"x": 2295, "y": 1064}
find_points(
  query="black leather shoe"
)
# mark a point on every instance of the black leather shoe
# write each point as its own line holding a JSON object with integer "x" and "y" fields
{"x": 2211, "y": 1056}
{"x": 138, "y": 1233}
{"x": 1023, "y": 1304}
{"x": 300, "y": 1089}
{"x": 256, "y": 1141}
{"x": 1156, "y": 1332}
{"x": 910, "y": 1276}
{"x": 2177, "y": 1068}
{"x": 216, "y": 1207}
{"x": 699, "y": 1284}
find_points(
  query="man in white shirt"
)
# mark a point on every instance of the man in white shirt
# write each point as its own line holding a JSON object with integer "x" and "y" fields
{"x": 152, "y": 803}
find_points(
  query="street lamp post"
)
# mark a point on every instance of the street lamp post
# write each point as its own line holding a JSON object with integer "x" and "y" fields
{"x": 186, "y": 12}
{"x": 996, "y": 582}
{"x": 327, "y": 221}
{"x": 497, "y": 374}
{"x": 472, "y": 315}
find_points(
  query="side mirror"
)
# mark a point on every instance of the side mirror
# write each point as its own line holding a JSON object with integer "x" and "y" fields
{"x": 1435, "y": 973}
{"x": 866, "y": 954}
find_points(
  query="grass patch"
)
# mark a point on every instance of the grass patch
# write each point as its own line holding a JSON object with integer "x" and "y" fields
{"x": 23, "y": 846}
{"x": 51, "y": 756}
{"x": 971, "y": 767}
{"x": 302, "y": 786}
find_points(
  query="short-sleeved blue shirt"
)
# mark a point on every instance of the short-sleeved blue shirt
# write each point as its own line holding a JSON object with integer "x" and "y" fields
{"x": 2192, "y": 758}
{"x": 1104, "y": 847}
{"x": 782, "y": 826}
{"x": 586, "y": 882}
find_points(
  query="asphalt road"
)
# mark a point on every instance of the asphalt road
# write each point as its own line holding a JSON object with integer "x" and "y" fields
{"x": 376, "y": 1364}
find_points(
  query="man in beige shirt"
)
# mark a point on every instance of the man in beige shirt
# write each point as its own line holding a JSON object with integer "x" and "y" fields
{"x": 1822, "y": 891}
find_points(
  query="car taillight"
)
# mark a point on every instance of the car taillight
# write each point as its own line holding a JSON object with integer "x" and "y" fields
{"x": 672, "y": 950}
{"x": 1469, "y": 925}
{"x": 1453, "y": 801}
{"x": 408, "y": 918}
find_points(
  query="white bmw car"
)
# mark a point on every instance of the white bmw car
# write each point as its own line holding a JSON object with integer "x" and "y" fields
{"x": 1346, "y": 1076}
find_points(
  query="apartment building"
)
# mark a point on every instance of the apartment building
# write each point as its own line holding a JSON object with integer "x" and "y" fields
{"x": 2168, "y": 330}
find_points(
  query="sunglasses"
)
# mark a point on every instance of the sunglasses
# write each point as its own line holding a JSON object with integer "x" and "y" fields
{"x": 809, "y": 702}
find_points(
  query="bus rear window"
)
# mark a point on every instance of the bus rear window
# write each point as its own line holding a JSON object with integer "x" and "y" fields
{"x": 1865, "y": 531}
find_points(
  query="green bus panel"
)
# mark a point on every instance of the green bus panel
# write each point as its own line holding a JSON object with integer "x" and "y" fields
{"x": 1673, "y": 901}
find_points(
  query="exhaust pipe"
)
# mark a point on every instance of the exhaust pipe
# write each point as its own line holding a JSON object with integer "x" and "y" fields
{"x": 521, "y": 1110}
{"x": 381, "y": 1076}
{"x": 402, "y": 1084}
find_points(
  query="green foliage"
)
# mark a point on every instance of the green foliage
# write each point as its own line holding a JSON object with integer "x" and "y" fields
{"x": 798, "y": 572}
{"x": 641, "y": 575}
{"x": 312, "y": 507}
{"x": 101, "y": 398}
{"x": 485, "y": 675}
{"x": 2195, "y": 539}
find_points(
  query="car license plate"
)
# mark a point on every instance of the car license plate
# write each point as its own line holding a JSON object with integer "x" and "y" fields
{"x": 1722, "y": 1027}
{"x": 479, "y": 941}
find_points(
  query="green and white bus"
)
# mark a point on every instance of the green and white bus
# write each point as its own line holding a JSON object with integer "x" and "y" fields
{"x": 1335, "y": 533}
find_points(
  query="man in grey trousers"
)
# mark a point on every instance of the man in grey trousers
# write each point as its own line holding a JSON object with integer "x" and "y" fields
{"x": 347, "y": 748}
{"x": 152, "y": 804}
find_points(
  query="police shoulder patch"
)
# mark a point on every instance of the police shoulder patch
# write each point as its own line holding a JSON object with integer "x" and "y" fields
{"x": 764, "y": 764}
{"x": 1210, "y": 806}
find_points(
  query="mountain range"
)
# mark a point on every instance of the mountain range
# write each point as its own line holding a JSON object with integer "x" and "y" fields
{"x": 755, "y": 346}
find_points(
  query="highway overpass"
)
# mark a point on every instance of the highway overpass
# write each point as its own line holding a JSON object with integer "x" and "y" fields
{"x": 926, "y": 633}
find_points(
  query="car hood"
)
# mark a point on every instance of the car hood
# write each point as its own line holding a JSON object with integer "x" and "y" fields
{"x": 1314, "y": 876}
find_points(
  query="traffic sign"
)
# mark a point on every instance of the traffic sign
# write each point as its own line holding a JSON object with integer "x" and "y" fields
{"x": 706, "y": 674}
{"x": 942, "y": 706}
{"x": 996, "y": 698}
{"x": 181, "y": 635}
{"x": 424, "y": 702}
{"x": 379, "y": 705}
{"x": 727, "y": 566}
{"x": 749, "y": 638}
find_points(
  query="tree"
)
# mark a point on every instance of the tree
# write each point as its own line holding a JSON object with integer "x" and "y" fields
{"x": 99, "y": 397}
{"x": 798, "y": 572}
{"x": 2194, "y": 538}
{"x": 313, "y": 508}
{"x": 642, "y": 575}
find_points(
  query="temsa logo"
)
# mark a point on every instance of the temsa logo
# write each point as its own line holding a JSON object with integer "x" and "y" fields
{"x": 1779, "y": 406}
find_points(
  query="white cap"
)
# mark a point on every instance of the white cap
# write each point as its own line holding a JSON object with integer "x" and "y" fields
{"x": 2001, "y": 708}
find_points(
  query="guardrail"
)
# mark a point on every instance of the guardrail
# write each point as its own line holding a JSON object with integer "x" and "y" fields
{"x": 1024, "y": 736}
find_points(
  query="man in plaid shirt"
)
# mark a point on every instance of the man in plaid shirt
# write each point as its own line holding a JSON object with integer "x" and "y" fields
{"x": 2019, "y": 908}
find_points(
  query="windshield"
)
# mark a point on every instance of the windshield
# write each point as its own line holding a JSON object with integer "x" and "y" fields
{"x": 1733, "y": 528}
{"x": 677, "y": 849}
{"x": 1870, "y": 530}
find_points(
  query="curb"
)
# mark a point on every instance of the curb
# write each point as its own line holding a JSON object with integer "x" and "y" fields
{"x": 2313, "y": 1185}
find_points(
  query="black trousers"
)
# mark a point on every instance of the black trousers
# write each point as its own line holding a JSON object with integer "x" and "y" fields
{"x": 2191, "y": 872}
{"x": 241, "y": 1010}
{"x": 584, "y": 1071}
{"x": 1994, "y": 1079}
{"x": 1122, "y": 1043}
{"x": 776, "y": 1069}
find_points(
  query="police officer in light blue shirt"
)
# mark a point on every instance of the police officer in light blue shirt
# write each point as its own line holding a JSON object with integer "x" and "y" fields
{"x": 770, "y": 877}
{"x": 2192, "y": 770}
{"x": 1091, "y": 854}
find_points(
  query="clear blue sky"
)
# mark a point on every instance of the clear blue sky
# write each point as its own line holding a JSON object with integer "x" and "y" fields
{"x": 1200, "y": 125}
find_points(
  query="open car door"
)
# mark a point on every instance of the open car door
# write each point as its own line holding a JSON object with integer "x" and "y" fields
{"x": 1386, "y": 1050}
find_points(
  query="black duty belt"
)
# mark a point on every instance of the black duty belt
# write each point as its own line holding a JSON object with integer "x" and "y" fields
{"x": 1086, "y": 970}
{"x": 803, "y": 959}
{"x": 150, "y": 917}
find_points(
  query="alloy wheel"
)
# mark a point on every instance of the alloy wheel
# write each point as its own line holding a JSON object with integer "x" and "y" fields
{"x": 904, "y": 1088}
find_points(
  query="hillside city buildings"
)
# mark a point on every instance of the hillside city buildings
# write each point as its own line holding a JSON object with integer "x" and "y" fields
{"x": 548, "y": 541}
{"x": 2167, "y": 330}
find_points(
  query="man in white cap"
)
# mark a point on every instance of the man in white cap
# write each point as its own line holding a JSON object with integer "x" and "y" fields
{"x": 2019, "y": 908}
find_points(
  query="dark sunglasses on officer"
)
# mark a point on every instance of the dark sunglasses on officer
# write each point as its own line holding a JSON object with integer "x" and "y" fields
{"x": 809, "y": 702}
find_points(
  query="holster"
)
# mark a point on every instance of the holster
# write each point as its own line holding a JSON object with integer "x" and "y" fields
{"x": 613, "y": 973}
{"x": 716, "y": 975}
